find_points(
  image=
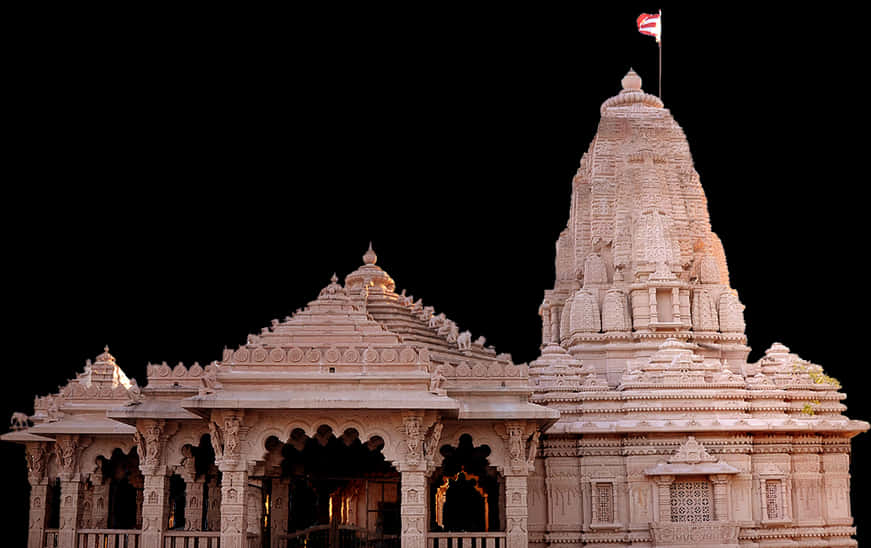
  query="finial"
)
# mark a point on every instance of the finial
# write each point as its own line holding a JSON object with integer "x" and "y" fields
{"x": 631, "y": 82}
{"x": 334, "y": 278}
{"x": 106, "y": 349}
{"x": 370, "y": 257}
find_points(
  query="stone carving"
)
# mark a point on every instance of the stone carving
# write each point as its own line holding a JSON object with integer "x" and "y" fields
{"x": 704, "y": 313}
{"x": 464, "y": 340}
{"x": 585, "y": 313}
{"x": 232, "y": 425}
{"x": 148, "y": 438}
{"x": 413, "y": 438}
{"x": 217, "y": 440}
{"x": 19, "y": 421}
{"x": 615, "y": 314}
{"x": 691, "y": 452}
{"x": 437, "y": 380}
{"x": 731, "y": 314}
{"x": 36, "y": 456}
{"x": 66, "y": 449}
{"x": 432, "y": 441}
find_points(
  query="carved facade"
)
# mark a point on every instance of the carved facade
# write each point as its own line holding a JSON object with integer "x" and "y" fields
{"x": 640, "y": 424}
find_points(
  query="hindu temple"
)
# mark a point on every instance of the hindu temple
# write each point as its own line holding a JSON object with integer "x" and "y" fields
{"x": 369, "y": 419}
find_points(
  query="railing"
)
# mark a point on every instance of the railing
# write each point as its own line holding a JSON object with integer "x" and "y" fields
{"x": 465, "y": 540}
{"x": 107, "y": 538}
{"x": 49, "y": 539}
{"x": 192, "y": 539}
{"x": 342, "y": 536}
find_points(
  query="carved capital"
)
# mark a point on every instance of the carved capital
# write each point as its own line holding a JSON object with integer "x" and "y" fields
{"x": 36, "y": 455}
{"x": 67, "y": 452}
{"x": 412, "y": 425}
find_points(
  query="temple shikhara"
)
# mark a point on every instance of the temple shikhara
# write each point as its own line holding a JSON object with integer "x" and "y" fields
{"x": 370, "y": 419}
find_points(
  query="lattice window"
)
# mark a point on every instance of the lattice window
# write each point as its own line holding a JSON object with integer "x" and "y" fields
{"x": 772, "y": 499}
{"x": 605, "y": 502}
{"x": 691, "y": 501}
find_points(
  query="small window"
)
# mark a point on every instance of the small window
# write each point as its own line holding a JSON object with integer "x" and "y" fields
{"x": 664, "y": 305}
{"x": 691, "y": 501}
{"x": 772, "y": 499}
{"x": 605, "y": 504}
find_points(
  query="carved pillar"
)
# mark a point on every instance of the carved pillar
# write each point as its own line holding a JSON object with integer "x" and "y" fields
{"x": 516, "y": 526}
{"x": 213, "y": 512}
{"x": 516, "y": 472}
{"x": 278, "y": 511}
{"x": 150, "y": 438}
{"x": 193, "y": 504}
{"x": 254, "y": 510}
{"x": 663, "y": 497}
{"x": 554, "y": 324}
{"x": 100, "y": 506}
{"x": 545, "y": 324}
{"x": 722, "y": 509}
{"x": 67, "y": 449}
{"x": 36, "y": 455}
{"x": 227, "y": 443}
{"x": 413, "y": 470}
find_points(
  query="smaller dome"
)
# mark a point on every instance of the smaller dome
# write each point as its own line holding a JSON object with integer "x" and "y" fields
{"x": 631, "y": 82}
{"x": 631, "y": 95}
{"x": 369, "y": 274}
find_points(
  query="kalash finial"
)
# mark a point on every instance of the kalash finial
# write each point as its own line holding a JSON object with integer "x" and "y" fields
{"x": 631, "y": 82}
{"x": 370, "y": 257}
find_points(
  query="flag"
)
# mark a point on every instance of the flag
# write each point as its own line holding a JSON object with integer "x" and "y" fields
{"x": 650, "y": 24}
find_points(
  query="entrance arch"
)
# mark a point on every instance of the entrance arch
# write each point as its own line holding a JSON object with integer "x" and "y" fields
{"x": 330, "y": 490}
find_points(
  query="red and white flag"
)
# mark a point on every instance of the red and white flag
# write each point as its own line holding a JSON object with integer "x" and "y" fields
{"x": 650, "y": 24}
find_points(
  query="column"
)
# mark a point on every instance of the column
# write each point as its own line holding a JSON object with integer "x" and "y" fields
{"x": 413, "y": 471}
{"x": 278, "y": 510}
{"x": 100, "y": 508}
{"x": 516, "y": 471}
{"x": 193, "y": 504}
{"x": 213, "y": 512}
{"x": 516, "y": 509}
{"x": 151, "y": 440}
{"x": 226, "y": 441}
{"x": 37, "y": 455}
{"x": 663, "y": 497}
{"x": 722, "y": 510}
{"x": 67, "y": 450}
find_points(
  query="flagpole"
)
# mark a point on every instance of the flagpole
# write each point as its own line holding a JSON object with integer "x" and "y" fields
{"x": 660, "y": 54}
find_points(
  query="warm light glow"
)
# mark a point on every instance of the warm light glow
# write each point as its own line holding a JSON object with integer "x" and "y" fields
{"x": 331, "y": 508}
{"x": 266, "y": 513}
{"x": 442, "y": 495}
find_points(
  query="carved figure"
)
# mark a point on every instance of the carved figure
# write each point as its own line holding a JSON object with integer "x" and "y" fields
{"x": 19, "y": 421}
{"x": 464, "y": 340}
{"x": 437, "y": 380}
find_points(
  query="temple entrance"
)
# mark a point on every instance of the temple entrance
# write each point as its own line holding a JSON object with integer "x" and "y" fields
{"x": 335, "y": 492}
{"x": 464, "y": 492}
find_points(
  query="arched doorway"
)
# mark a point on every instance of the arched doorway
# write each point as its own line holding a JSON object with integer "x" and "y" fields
{"x": 331, "y": 491}
{"x": 464, "y": 492}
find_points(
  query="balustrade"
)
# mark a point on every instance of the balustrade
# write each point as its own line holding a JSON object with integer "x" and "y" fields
{"x": 107, "y": 538}
{"x": 191, "y": 539}
{"x": 465, "y": 540}
{"x": 50, "y": 538}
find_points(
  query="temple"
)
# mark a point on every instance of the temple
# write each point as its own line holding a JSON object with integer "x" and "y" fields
{"x": 367, "y": 419}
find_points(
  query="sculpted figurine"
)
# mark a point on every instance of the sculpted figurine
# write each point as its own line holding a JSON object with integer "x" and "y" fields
{"x": 437, "y": 380}
{"x": 19, "y": 421}
{"x": 464, "y": 340}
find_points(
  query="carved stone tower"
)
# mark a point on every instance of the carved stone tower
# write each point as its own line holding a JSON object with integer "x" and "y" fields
{"x": 638, "y": 262}
{"x": 667, "y": 437}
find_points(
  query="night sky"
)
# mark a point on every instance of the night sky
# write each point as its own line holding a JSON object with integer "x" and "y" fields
{"x": 175, "y": 181}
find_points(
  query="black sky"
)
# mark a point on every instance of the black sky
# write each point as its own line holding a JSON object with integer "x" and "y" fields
{"x": 176, "y": 180}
